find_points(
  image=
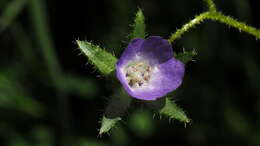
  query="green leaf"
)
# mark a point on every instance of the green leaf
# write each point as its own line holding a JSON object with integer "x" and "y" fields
{"x": 172, "y": 111}
{"x": 107, "y": 124}
{"x": 138, "y": 26}
{"x": 101, "y": 59}
{"x": 186, "y": 56}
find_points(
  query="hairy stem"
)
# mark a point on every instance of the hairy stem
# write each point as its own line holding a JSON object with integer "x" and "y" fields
{"x": 234, "y": 23}
{"x": 211, "y": 5}
{"x": 215, "y": 16}
{"x": 197, "y": 20}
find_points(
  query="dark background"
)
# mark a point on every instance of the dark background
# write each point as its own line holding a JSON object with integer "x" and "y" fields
{"x": 220, "y": 91}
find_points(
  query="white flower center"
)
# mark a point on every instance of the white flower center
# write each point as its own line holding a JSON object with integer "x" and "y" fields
{"x": 138, "y": 74}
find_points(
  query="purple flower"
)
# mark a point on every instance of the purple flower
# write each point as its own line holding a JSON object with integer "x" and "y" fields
{"x": 147, "y": 69}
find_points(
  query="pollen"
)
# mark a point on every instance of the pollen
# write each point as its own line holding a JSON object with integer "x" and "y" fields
{"x": 138, "y": 74}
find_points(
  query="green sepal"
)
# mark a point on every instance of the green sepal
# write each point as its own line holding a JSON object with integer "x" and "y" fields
{"x": 101, "y": 59}
{"x": 107, "y": 124}
{"x": 138, "y": 26}
{"x": 186, "y": 56}
{"x": 172, "y": 111}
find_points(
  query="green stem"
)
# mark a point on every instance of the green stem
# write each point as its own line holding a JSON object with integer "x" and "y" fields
{"x": 211, "y": 5}
{"x": 197, "y": 20}
{"x": 234, "y": 23}
{"x": 24, "y": 44}
{"x": 215, "y": 16}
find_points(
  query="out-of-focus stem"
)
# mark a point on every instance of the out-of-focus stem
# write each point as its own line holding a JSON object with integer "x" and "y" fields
{"x": 43, "y": 36}
{"x": 10, "y": 12}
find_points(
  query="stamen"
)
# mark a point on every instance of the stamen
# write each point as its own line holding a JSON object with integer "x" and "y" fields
{"x": 138, "y": 74}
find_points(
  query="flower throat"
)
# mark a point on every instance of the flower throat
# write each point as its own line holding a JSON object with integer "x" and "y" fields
{"x": 138, "y": 74}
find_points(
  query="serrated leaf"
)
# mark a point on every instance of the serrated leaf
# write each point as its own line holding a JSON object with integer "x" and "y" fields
{"x": 107, "y": 124}
{"x": 186, "y": 56}
{"x": 101, "y": 59}
{"x": 172, "y": 111}
{"x": 138, "y": 26}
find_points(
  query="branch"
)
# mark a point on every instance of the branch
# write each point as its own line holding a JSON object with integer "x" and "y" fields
{"x": 215, "y": 16}
{"x": 218, "y": 16}
{"x": 197, "y": 20}
{"x": 211, "y": 5}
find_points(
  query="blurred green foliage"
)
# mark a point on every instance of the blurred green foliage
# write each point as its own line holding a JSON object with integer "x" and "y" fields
{"x": 141, "y": 123}
{"x": 13, "y": 97}
{"x": 10, "y": 12}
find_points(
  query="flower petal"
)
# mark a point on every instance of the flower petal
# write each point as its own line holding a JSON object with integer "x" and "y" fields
{"x": 157, "y": 49}
{"x": 168, "y": 78}
{"x": 130, "y": 52}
